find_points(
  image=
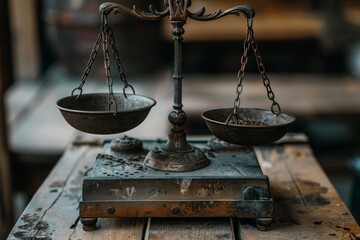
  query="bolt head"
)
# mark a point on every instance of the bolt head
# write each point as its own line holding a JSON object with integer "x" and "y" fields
{"x": 174, "y": 210}
{"x": 110, "y": 210}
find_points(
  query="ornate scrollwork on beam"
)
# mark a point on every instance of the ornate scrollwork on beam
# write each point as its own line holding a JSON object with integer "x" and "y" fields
{"x": 201, "y": 15}
{"x": 153, "y": 14}
{"x": 177, "y": 10}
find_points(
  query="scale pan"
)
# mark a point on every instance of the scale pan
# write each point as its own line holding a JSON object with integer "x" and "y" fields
{"x": 268, "y": 127}
{"x": 89, "y": 113}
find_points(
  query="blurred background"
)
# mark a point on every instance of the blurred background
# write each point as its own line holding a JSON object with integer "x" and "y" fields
{"x": 311, "y": 50}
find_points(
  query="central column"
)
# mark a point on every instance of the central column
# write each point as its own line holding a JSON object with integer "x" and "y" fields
{"x": 177, "y": 154}
{"x": 177, "y": 117}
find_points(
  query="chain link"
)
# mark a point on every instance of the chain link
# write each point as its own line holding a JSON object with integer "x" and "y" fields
{"x": 107, "y": 37}
{"x": 275, "y": 107}
{"x": 109, "y": 79}
{"x": 120, "y": 67}
{"x": 241, "y": 73}
{"x": 249, "y": 42}
{"x": 89, "y": 64}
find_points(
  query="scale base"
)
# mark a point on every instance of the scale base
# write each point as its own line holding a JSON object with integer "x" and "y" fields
{"x": 232, "y": 185}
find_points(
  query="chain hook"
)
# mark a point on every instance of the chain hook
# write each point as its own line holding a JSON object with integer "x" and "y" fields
{"x": 77, "y": 88}
{"x": 112, "y": 102}
{"x": 231, "y": 116}
{"x": 275, "y": 105}
{"x": 125, "y": 87}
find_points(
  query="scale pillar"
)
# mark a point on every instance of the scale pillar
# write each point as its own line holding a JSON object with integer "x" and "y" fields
{"x": 177, "y": 154}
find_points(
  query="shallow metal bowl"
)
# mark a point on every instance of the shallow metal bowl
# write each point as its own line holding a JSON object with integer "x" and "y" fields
{"x": 274, "y": 127}
{"x": 90, "y": 112}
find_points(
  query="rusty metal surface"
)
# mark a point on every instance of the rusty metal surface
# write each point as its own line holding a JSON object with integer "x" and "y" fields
{"x": 176, "y": 155}
{"x": 259, "y": 126}
{"x": 90, "y": 113}
{"x": 126, "y": 144}
{"x": 224, "y": 158}
{"x": 176, "y": 208}
{"x": 168, "y": 158}
{"x": 120, "y": 185}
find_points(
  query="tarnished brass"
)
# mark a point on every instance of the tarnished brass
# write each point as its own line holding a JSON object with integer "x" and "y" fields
{"x": 176, "y": 154}
{"x": 126, "y": 144}
{"x": 197, "y": 179}
{"x": 232, "y": 185}
{"x": 90, "y": 112}
{"x": 254, "y": 127}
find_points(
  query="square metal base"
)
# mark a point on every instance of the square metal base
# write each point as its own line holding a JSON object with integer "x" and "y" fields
{"x": 232, "y": 185}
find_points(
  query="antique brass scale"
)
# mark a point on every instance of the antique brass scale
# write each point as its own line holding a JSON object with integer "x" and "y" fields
{"x": 174, "y": 178}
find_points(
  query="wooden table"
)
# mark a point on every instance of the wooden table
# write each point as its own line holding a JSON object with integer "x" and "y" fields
{"x": 306, "y": 204}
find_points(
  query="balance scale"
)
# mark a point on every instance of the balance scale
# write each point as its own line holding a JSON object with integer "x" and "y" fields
{"x": 220, "y": 177}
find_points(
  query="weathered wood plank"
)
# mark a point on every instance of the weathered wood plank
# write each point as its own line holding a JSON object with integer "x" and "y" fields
{"x": 59, "y": 223}
{"x": 31, "y": 222}
{"x": 190, "y": 228}
{"x": 53, "y": 212}
{"x": 319, "y": 194}
{"x": 306, "y": 204}
{"x": 121, "y": 228}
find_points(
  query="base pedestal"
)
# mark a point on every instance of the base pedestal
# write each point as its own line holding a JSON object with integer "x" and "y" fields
{"x": 232, "y": 185}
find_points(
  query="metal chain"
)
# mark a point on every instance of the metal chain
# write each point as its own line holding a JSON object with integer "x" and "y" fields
{"x": 233, "y": 117}
{"x": 89, "y": 64}
{"x": 118, "y": 62}
{"x": 109, "y": 79}
{"x": 275, "y": 107}
{"x": 241, "y": 72}
{"x": 106, "y": 36}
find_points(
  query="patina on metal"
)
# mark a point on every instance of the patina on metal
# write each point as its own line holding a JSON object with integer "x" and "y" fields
{"x": 197, "y": 179}
{"x": 249, "y": 126}
{"x": 101, "y": 113}
{"x": 254, "y": 126}
{"x": 126, "y": 144}
{"x": 123, "y": 186}
{"x": 176, "y": 155}
{"x": 90, "y": 113}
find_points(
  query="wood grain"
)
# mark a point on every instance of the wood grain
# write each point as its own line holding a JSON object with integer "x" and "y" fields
{"x": 53, "y": 211}
{"x": 306, "y": 204}
{"x": 185, "y": 228}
